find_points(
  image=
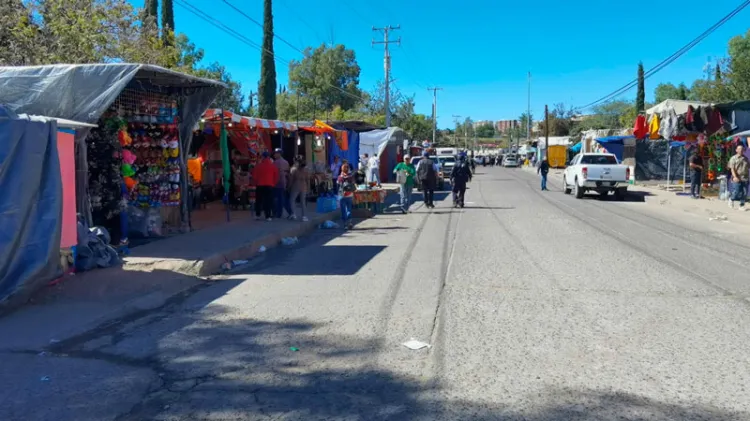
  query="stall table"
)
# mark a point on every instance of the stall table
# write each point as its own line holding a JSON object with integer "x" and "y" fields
{"x": 372, "y": 199}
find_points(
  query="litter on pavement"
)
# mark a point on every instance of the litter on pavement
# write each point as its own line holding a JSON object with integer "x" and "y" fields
{"x": 293, "y": 349}
{"x": 289, "y": 241}
{"x": 414, "y": 344}
{"x": 240, "y": 262}
{"x": 44, "y": 379}
{"x": 262, "y": 249}
{"x": 329, "y": 225}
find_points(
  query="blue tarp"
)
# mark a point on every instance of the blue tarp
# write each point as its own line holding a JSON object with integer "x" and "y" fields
{"x": 30, "y": 205}
{"x": 576, "y": 148}
{"x": 614, "y": 144}
{"x": 352, "y": 154}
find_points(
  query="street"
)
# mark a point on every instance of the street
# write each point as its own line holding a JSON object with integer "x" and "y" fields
{"x": 536, "y": 306}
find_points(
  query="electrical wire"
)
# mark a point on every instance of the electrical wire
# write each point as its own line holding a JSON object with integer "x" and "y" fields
{"x": 672, "y": 58}
{"x": 218, "y": 24}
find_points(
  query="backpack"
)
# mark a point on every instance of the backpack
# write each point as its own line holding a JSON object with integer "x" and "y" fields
{"x": 463, "y": 171}
{"x": 426, "y": 170}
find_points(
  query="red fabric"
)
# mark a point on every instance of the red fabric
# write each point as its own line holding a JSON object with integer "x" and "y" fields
{"x": 640, "y": 130}
{"x": 265, "y": 173}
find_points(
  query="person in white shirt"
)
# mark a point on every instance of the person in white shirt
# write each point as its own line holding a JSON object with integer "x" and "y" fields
{"x": 373, "y": 170}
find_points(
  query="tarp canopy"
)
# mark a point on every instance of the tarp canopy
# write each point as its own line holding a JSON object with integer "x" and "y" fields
{"x": 576, "y": 148}
{"x": 83, "y": 92}
{"x": 260, "y": 123}
{"x": 615, "y": 144}
{"x": 375, "y": 141}
{"x": 554, "y": 141}
{"x": 31, "y": 204}
{"x": 679, "y": 106}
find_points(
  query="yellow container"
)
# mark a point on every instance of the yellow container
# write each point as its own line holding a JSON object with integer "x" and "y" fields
{"x": 557, "y": 155}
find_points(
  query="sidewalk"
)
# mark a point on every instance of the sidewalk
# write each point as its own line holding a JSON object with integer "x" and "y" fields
{"x": 709, "y": 208}
{"x": 151, "y": 276}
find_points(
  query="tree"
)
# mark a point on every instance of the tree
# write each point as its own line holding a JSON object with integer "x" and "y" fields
{"x": 328, "y": 75}
{"x": 526, "y": 121}
{"x": 167, "y": 21}
{"x": 665, "y": 91}
{"x": 485, "y": 130}
{"x": 717, "y": 73}
{"x": 152, "y": 9}
{"x": 18, "y": 34}
{"x": 640, "y": 96}
{"x": 229, "y": 99}
{"x": 267, "y": 85}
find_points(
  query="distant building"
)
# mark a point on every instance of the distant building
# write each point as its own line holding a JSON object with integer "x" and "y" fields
{"x": 502, "y": 126}
{"x": 481, "y": 123}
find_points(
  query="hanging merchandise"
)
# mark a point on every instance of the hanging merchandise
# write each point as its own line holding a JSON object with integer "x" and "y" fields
{"x": 653, "y": 127}
{"x": 640, "y": 129}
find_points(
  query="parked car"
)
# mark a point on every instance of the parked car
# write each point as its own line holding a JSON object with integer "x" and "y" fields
{"x": 510, "y": 161}
{"x": 441, "y": 179}
{"x": 600, "y": 172}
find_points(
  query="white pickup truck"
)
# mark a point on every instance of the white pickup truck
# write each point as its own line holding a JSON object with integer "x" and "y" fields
{"x": 599, "y": 172}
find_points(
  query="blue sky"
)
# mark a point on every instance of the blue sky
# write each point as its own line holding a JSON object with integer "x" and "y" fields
{"x": 479, "y": 51}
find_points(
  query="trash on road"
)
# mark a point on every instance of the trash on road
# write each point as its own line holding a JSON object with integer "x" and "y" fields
{"x": 44, "y": 379}
{"x": 42, "y": 354}
{"x": 54, "y": 341}
{"x": 289, "y": 241}
{"x": 329, "y": 225}
{"x": 414, "y": 344}
{"x": 293, "y": 349}
{"x": 262, "y": 249}
{"x": 240, "y": 262}
{"x": 722, "y": 218}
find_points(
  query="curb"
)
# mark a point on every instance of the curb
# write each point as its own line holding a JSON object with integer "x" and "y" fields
{"x": 212, "y": 264}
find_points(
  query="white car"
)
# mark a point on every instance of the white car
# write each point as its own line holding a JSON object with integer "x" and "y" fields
{"x": 600, "y": 172}
{"x": 510, "y": 161}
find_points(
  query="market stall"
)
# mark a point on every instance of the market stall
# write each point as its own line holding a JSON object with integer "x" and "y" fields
{"x": 131, "y": 168}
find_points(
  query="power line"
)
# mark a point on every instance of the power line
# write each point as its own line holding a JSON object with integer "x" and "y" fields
{"x": 218, "y": 24}
{"x": 387, "y": 64}
{"x": 251, "y": 19}
{"x": 669, "y": 60}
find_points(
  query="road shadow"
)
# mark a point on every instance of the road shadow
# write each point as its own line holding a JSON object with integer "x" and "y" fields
{"x": 631, "y": 197}
{"x": 209, "y": 362}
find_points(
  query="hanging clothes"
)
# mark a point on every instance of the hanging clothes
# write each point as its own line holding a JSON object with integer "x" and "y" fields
{"x": 714, "y": 122}
{"x": 690, "y": 119}
{"x": 699, "y": 119}
{"x": 640, "y": 129}
{"x": 668, "y": 128}
{"x": 653, "y": 127}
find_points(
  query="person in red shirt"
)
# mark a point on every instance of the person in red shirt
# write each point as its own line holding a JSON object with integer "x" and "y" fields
{"x": 265, "y": 175}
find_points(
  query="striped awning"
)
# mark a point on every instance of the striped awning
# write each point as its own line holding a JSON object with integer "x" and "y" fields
{"x": 260, "y": 123}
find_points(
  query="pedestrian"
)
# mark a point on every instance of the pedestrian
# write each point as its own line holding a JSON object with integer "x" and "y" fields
{"x": 299, "y": 185}
{"x": 427, "y": 172}
{"x": 346, "y": 181}
{"x": 696, "y": 174}
{"x": 460, "y": 175}
{"x": 363, "y": 163}
{"x": 739, "y": 166}
{"x": 265, "y": 175}
{"x": 280, "y": 192}
{"x": 335, "y": 171}
{"x": 405, "y": 173}
{"x": 373, "y": 170}
{"x": 543, "y": 170}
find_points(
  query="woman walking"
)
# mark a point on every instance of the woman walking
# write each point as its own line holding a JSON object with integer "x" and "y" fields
{"x": 347, "y": 188}
{"x": 299, "y": 181}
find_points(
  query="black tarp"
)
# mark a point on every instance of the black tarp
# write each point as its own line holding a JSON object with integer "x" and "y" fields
{"x": 651, "y": 157}
{"x": 30, "y": 205}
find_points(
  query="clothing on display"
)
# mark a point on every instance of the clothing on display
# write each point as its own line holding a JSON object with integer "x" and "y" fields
{"x": 653, "y": 127}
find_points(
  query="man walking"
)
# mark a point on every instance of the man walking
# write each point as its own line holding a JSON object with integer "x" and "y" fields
{"x": 739, "y": 166}
{"x": 265, "y": 176}
{"x": 460, "y": 175}
{"x": 280, "y": 193}
{"x": 696, "y": 175}
{"x": 427, "y": 172}
{"x": 405, "y": 173}
{"x": 543, "y": 170}
{"x": 373, "y": 170}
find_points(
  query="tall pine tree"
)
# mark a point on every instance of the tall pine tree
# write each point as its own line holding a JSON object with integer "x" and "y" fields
{"x": 717, "y": 73}
{"x": 267, "y": 84}
{"x": 640, "y": 96}
{"x": 152, "y": 9}
{"x": 167, "y": 21}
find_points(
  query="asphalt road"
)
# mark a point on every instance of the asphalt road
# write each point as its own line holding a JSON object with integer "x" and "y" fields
{"x": 537, "y": 306}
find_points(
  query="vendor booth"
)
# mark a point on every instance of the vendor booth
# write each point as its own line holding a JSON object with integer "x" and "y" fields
{"x": 387, "y": 145}
{"x": 131, "y": 168}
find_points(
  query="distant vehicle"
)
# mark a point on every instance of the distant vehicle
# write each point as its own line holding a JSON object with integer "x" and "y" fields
{"x": 599, "y": 172}
{"x": 441, "y": 179}
{"x": 446, "y": 164}
{"x": 446, "y": 152}
{"x": 510, "y": 161}
{"x": 479, "y": 159}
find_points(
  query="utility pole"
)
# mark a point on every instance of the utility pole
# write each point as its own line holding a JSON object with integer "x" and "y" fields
{"x": 387, "y": 65}
{"x": 546, "y": 135}
{"x": 455, "y": 133}
{"x": 434, "y": 111}
{"x": 528, "y": 112}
